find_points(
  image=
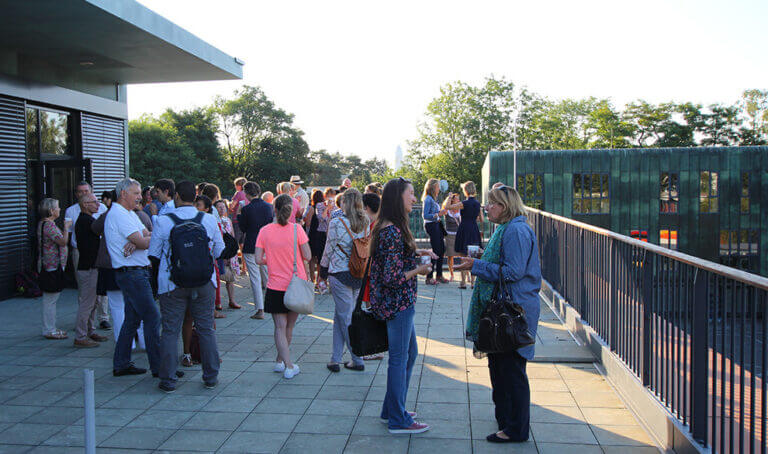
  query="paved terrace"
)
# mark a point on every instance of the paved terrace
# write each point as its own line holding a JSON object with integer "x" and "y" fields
{"x": 255, "y": 410}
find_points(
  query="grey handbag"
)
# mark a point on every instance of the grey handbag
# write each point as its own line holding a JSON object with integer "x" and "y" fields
{"x": 300, "y": 294}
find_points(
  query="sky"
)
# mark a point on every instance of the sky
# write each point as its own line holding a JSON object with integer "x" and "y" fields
{"x": 358, "y": 75}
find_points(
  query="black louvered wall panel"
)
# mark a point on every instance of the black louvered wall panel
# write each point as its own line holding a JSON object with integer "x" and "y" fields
{"x": 104, "y": 144}
{"x": 13, "y": 187}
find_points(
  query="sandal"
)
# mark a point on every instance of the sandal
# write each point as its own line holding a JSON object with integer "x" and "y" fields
{"x": 217, "y": 314}
{"x": 56, "y": 335}
{"x": 235, "y": 306}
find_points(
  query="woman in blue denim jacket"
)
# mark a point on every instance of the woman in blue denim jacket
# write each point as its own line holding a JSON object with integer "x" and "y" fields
{"x": 431, "y": 214}
{"x": 513, "y": 252}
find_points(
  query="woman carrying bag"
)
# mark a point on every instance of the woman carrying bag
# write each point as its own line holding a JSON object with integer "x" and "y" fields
{"x": 394, "y": 266}
{"x": 276, "y": 247}
{"x": 52, "y": 259}
{"x": 342, "y": 231}
{"x": 512, "y": 258}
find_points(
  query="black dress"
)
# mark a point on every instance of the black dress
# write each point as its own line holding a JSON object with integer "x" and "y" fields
{"x": 316, "y": 238}
{"x": 468, "y": 233}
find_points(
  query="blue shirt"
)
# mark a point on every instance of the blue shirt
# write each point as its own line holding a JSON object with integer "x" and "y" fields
{"x": 521, "y": 270}
{"x": 431, "y": 210}
{"x": 165, "y": 208}
{"x": 160, "y": 247}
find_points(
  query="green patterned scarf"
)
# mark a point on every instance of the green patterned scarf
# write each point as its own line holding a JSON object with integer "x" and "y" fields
{"x": 483, "y": 291}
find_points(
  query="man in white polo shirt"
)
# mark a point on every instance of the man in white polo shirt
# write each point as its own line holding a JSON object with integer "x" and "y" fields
{"x": 73, "y": 213}
{"x": 192, "y": 286}
{"x": 127, "y": 243}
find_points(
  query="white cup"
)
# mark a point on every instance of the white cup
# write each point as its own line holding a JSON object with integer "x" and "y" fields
{"x": 242, "y": 203}
{"x": 426, "y": 260}
{"x": 473, "y": 251}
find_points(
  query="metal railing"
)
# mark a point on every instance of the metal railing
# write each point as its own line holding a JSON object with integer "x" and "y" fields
{"x": 693, "y": 331}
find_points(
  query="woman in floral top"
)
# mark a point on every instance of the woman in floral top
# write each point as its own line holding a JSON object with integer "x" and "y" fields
{"x": 394, "y": 267}
{"x": 52, "y": 261}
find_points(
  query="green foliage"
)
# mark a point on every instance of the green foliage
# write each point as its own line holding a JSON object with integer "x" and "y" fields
{"x": 465, "y": 122}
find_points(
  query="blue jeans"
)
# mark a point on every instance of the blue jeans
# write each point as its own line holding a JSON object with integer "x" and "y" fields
{"x": 402, "y": 355}
{"x": 139, "y": 306}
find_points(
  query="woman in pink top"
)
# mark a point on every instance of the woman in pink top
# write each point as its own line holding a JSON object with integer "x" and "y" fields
{"x": 288, "y": 188}
{"x": 275, "y": 248}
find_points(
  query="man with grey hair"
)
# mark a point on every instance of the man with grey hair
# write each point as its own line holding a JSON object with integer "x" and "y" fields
{"x": 87, "y": 273}
{"x": 127, "y": 242}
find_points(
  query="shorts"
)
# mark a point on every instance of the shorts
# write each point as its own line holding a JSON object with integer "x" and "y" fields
{"x": 273, "y": 302}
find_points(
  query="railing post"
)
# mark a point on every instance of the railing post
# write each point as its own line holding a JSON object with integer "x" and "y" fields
{"x": 584, "y": 309}
{"x": 700, "y": 357}
{"x": 612, "y": 297}
{"x": 647, "y": 313}
{"x": 90, "y": 412}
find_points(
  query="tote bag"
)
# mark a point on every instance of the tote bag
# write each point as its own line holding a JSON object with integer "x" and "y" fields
{"x": 367, "y": 335}
{"x": 300, "y": 294}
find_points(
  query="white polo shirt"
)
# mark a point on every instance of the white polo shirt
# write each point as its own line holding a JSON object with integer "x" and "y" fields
{"x": 121, "y": 224}
{"x": 73, "y": 213}
{"x": 160, "y": 245}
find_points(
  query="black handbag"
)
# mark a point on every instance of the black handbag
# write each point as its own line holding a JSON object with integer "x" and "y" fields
{"x": 503, "y": 327}
{"x": 230, "y": 246}
{"x": 367, "y": 334}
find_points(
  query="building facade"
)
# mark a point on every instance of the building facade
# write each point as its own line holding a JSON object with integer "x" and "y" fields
{"x": 710, "y": 202}
{"x": 64, "y": 67}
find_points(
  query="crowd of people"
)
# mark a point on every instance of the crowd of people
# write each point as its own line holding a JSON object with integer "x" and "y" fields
{"x": 155, "y": 259}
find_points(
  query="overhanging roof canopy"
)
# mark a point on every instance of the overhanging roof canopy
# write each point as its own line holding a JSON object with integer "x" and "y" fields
{"x": 117, "y": 41}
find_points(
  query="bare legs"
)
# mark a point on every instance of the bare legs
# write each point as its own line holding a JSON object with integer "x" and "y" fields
{"x": 284, "y": 324}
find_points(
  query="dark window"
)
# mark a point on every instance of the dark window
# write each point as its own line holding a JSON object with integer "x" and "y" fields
{"x": 668, "y": 239}
{"x": 708, "y": 193}
{"x": 668, "y": 192}
{"x": 48, "y": 133}
{"x": 591, "y": 193}
{"x": 744, "y": 202}
{"x": 530, "y": 186}
{"x": 740, "y": 249}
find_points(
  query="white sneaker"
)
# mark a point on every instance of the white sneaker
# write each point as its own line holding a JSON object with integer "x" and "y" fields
{"x": 279, "y": 367}
{"x": 292, "y": 372}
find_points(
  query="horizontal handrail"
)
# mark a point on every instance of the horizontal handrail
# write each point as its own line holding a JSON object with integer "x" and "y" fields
{"x": 725, "y": 271}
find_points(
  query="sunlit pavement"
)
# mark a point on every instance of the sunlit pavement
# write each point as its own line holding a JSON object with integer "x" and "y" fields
{"x": 255, "y": 410}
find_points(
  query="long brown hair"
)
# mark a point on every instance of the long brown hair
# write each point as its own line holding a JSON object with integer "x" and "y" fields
{"x": 392, "y": 210}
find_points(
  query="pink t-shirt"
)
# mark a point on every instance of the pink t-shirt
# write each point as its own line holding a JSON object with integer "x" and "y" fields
{"x": 236, "y": 198}
{"x": 277, "y": 242}
{"x": 296, "y": 210}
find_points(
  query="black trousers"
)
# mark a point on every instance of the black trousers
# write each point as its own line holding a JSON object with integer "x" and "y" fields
{"x": 511, "y": 394}
{"x": 438, "y": 247}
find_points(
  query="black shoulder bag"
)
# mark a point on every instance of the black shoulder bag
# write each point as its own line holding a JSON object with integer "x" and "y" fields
{"x": 502, "y": 327}
{"x": 367, "y": 334}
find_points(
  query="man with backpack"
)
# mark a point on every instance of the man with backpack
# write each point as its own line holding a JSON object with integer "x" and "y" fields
{"x": 186, "y": 242}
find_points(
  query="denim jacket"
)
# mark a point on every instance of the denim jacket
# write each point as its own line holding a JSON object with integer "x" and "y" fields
{"x": 431, "y": 208}
{"x": 523, "y": 276}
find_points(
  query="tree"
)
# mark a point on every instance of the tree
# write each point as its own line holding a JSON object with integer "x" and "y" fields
{"x": 158, "y": 151}
{"x": 754, "y": 108}
{"x": 720, "y": 126}
{"x": 260, "y": 141}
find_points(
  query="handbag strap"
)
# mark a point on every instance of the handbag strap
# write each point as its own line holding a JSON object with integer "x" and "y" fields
{"x": 361, "y": 293}
{"x": 295, "y": 269}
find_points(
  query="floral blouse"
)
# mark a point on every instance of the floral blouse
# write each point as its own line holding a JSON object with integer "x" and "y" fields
{"x": 52, "y": 254}
{"x": 391, "y": 292}
{"x": 226, "y": 226}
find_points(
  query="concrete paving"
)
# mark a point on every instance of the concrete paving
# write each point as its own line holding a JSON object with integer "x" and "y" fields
{"x": 574, "y": 409}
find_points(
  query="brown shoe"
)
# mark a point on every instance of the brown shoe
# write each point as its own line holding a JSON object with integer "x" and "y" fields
{"x": 85, "y": 343}
{"x": 235, "y": 306}
{"x": 259, "y": 315}
{"x": 98, "y": 337}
